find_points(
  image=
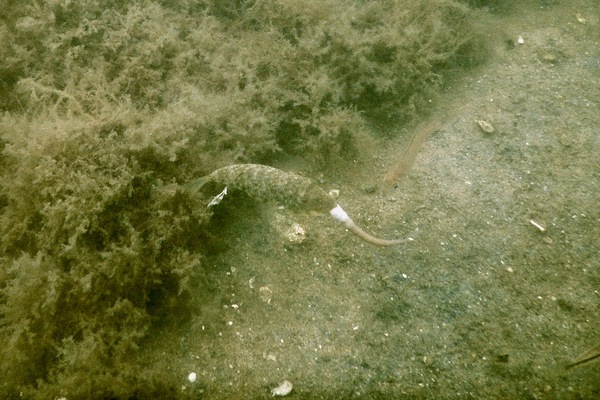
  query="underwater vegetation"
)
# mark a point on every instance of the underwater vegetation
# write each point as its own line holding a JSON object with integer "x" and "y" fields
{"x": 110, "y": 108}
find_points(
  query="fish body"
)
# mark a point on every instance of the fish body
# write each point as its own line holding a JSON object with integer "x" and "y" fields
{"x": 405, "y": 162}
{"x": 265, "y": 184}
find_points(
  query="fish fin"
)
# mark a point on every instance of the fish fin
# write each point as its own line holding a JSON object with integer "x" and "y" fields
{"x": 197, "y": 184}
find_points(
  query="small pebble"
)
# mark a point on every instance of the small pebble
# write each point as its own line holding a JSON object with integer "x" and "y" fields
{"x": 192, "y": 377}
{"x": 485, "y": 126}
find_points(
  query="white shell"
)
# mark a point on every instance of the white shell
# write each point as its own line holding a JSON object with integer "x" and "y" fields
{"x": 192, "y": 377}
{"x": 283, "y": 389}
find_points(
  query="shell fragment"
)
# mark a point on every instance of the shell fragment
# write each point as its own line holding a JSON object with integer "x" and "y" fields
{"x": 266, "y": 294}
{"x": 283, "y": 389}
{"x": 540, "y": 227}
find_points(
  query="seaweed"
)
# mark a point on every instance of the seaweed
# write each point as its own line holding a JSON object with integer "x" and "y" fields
{"x": 110, "y": 108}
{"x": 92, "y": 245}
{"x": 256, "y": 78}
